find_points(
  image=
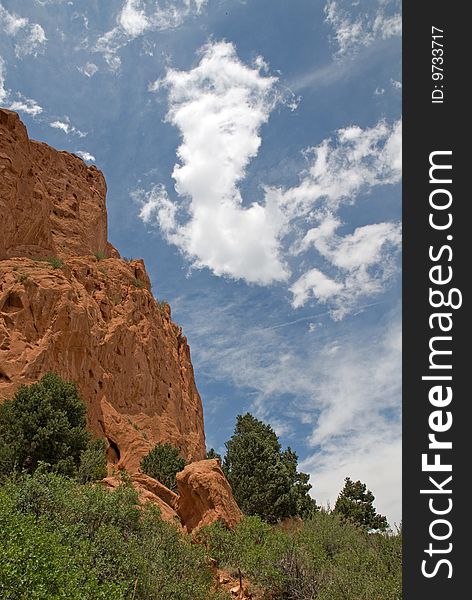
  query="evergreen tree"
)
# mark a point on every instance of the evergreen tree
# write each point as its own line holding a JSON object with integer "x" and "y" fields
{"x": 43, "y": 423}
{"x": 212, "y": 453}
{"x": 163, "y": 463}
{"x": 264, "y": 479}
{"x": 356, "y": 503}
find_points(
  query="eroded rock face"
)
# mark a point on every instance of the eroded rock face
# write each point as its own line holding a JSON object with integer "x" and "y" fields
{"x": 205, "y": 496}
{"x": 89, "y": 316}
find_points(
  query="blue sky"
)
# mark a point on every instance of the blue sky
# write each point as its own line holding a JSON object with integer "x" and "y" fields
{"x": 252, "y": 151}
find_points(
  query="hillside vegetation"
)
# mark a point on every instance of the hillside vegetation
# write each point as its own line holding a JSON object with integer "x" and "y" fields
{"x": 65, "y": 537}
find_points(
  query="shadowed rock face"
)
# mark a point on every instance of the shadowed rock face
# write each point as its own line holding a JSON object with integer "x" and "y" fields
{"x": 88, "y": 316}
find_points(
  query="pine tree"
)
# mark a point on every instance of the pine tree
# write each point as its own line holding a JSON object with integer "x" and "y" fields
{"x": 264, "y": 479}
{"x": 356, "y": 503}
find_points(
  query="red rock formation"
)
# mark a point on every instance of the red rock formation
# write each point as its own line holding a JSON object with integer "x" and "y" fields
{"x": 89, "y": 315}
{"x": 69, "y": 304}
{"x": 148, "y": 491}
{"x": 205, "y": 496}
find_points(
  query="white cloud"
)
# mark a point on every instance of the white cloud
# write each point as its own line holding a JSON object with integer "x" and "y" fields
{"x": 314, "y": 283}
{"x": 136, "y": 17}
{"x": 3, "y": 90}
{"x": 339, "y": 384}
{"x": 358, "y": 430}
{"x": 133, "y": 19}
{"x": 66, "y": 127}
{"x": 26, "y": 105}
{"x": 363, "y": 261}
{"x": 374, "y": 20}
{"x": 88, "y": 69}
{"x": 84, "y": 155}
{"x": 21, "y": 104}
{"x": 30, "y": 37}
{"x": 219, "y": 107}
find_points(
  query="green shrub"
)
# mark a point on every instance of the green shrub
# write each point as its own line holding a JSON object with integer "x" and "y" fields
{"x": 93, "y": 462}
{"x": 85, "y": 533}
{"x": 55, "y": 262}
{"x": 99, "y": 255}
{"x": 212, "y": 453}
{"x": 139, "y": 283}
{"x": 44, "y": 422}
{"x": 163, "y": 463}
{"x": 322, "y": 558}
{"x": 22, "y": 278}
{"x": 38, "y": 564}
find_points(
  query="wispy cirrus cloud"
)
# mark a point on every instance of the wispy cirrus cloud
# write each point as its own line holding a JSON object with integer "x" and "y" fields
{"x": 219, "y": 107}
{"x": 358, "y": 25}
{"x": 29, "y": 38}
{"x": 341, "y": 385}
{"x": 66, "y": 126}
{"x": 136, "y": 17}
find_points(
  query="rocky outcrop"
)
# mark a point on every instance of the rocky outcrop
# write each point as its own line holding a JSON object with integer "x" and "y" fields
{"x": 52, "y": 203}
{"x": 205, "y": 496}
{"x": 70, "y": 304}
{"x": 150, "y": 490}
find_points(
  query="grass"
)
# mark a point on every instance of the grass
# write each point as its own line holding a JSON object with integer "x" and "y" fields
{"x": 99, "y": 255}
{"x": 139, "y": 283}
{"x": 56, "y": 263}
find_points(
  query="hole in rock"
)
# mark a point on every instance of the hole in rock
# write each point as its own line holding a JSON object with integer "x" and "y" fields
{"x": 113, "y": 452}
{"x": 13, "y": 303}
{"x": 4, "y": 376}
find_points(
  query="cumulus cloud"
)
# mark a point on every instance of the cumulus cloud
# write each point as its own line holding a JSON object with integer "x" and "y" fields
{"x": 353, "y": 29}
{"x": 84, "y": 155}
{"x": 219, "y": 107}
{"x": 29, "y": 37}
{"x": 363, "y": 262}
{"x": 136, "y": 17}
{"x": 66, "y": 127}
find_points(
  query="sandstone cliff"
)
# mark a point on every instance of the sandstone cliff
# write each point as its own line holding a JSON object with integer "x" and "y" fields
{"x": 70, "y": 304}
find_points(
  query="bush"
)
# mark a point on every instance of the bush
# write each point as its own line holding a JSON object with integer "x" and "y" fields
{"x": 264, "y": 479}
{"x": 324, "y": 557}
{"x": 56, "y": 263}
{"x": 44, "y": 422}
{"x": 63, "y": 532}
{"x": 93, "y": 462}
{"x": 163, "y": 463}
{"x": 139, "y": 283}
